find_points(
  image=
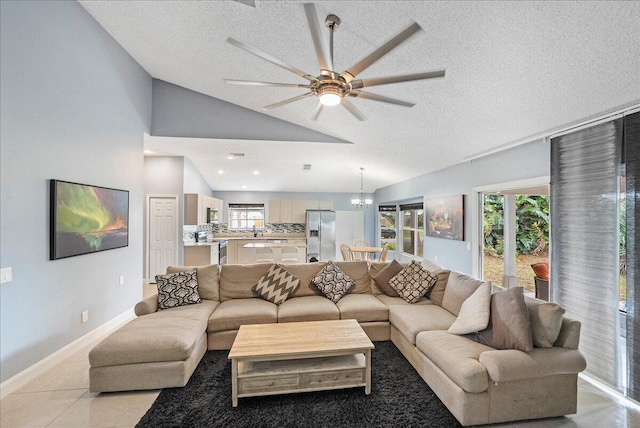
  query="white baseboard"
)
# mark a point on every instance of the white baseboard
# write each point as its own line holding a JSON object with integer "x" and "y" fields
{"x": 19, "y": 380}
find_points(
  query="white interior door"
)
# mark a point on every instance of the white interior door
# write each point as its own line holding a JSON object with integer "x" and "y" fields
{"x": 163, "y": 231}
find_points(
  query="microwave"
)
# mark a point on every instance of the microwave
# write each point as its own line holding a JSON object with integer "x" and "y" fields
{"x": 212, "y": 215}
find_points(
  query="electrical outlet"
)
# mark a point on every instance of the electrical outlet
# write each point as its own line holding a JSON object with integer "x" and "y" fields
{"x": 6, "y": 275}
{"x": 85, "y": 316}
{"x": 121, "y": 279}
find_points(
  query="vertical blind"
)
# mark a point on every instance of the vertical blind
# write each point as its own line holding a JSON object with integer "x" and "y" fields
{"x": 632, "y": 161}
{"x": 584, "y": 233}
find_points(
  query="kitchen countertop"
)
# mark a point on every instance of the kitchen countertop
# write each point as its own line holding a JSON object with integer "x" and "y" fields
{"x": 272, "y": 245}
{"x": 288, "y": 236}
{"x": 199, "y": 244}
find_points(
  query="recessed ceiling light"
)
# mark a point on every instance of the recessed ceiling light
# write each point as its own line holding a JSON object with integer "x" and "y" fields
{"x": 220, "y": 171}
{"x": 148, "y": 151}
{"x": 255, "y": 172}
{"x": 244, "y": 187}
{"x": 229, "y": 157}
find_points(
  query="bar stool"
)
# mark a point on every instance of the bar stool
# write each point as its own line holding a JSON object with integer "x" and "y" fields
{"x": 264, "y": 255}
{"x": 289, "y": 255}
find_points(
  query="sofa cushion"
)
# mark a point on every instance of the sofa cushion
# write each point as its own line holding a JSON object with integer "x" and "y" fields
{"x": 208, "y": 279}
{"x": 384, "y": 276}
{"x": 332, "y": 282}
{"x": 358, "y": 271}
{"x": 412, "y": 319}
{"x": 389, "y": 301}
{"x": 305, "y": 272}
{"x": 510, "y": 326}
{"x": 459, "y": 288}
{"x": 457, "y": 357}
{"x": 413, "y": 282}
{"x": 236, "y": 281}
{"x": 276, "y": 285}
{"x": 546, "y": 322}
{"x": 474, "y": 312}
{"x": 362, "y": 308}
{"x": 177, "y": 289}
{"x": 436, "y": 293}
{"x": 168, "y": 335}
{"x": 308, "y": 308}
{"x": 231, "y": 314}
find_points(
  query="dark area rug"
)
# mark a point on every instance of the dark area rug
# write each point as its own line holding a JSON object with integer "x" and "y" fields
{"x": 399, "y": 398}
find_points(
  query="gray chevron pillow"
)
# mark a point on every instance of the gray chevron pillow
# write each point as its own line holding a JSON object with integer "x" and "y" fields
{"x": 178, "y": 289}
{"x": 276, "y": 286}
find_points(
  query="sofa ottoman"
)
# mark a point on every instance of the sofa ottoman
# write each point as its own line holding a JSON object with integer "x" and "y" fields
{"x": 158, "y": 350}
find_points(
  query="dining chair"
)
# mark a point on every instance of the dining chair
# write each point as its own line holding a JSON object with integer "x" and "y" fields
{"x": 358, "y": 255}
{"x": 289, "y": 255}
{"x": 264, "y": 255}
{"x": 346, "y": 252}
{"x": 383, "y": 253}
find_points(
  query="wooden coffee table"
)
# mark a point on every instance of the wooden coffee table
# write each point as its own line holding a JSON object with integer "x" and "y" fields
{"x": 285, "y": 358}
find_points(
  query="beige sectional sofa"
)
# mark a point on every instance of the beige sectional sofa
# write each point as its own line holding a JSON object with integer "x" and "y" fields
{"x": 477, "y": 383}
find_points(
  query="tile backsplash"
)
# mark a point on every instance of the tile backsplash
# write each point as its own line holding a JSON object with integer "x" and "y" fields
{"x": 215, "y": 228}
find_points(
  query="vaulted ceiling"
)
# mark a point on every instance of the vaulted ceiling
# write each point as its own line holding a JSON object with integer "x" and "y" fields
{"x": 514, "y": 71}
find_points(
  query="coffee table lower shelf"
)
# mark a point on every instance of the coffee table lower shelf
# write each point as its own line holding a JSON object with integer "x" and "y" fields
{"x": 257, "y": 378}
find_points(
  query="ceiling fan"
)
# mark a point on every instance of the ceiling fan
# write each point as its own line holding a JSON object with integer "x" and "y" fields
{"x": 330, "y": 87}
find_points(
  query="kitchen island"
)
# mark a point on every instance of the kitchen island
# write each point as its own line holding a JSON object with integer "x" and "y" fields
{"x": 280, "y": 252}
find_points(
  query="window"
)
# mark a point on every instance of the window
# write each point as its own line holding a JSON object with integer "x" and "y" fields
{"x": 412, "y": 217}
{"x": 246, "y": 216}
{"x": 387, "y": 215}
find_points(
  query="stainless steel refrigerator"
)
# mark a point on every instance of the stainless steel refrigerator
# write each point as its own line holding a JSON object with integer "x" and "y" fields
{"x": 321, "y": 235}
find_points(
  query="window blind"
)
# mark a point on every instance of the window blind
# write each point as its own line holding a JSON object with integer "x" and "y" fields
{"x": 632, "y": 160}
{"x": 407, "y": 207}
{"x": 584, "y": 234}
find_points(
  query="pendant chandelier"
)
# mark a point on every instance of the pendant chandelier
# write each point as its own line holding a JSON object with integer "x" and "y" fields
{"x": 362, "y": 202}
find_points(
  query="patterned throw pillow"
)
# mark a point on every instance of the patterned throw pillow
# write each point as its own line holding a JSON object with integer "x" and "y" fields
{"x": 276, "y": 285}
{"x": 178, "y": 289}
{"x": 413, "y": 281}
{"x": 332, "y": 282}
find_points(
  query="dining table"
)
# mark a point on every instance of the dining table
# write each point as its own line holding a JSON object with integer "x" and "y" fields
{"x": 364, "y": 252}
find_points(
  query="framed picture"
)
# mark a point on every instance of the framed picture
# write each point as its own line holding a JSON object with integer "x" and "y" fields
{"x": 86, "y": 219}
{"x": 445, "y": 217}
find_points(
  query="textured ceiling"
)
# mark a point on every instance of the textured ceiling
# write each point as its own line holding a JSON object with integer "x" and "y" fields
{"x": 515, "y": 70}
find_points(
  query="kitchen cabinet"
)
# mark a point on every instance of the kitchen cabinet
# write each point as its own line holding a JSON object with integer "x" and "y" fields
{"x": 201, "y": 254}
{"x": 294, "y": 211}
{"x": 349, "y": 228}
{"x": 196, "y": 205}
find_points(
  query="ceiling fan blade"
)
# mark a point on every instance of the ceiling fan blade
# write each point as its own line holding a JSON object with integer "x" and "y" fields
{"x": 272, "y": 59}
{"x": 376, "y": 81}
{"x": 287, "y": 101}
{"x": 256, "y": 83}
{"x": 365, "y": 62}
{"x": 324, "y": 59}
{"x": 316, "y": 111}
{"x": 353, "y": 109}
{"x": 382, "y": 98}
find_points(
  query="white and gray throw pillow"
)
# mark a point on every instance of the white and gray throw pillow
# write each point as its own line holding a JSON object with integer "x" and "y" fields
{"x": 475, "y": 312}
{"x": 333, "y": 282}
{"x": 413, "y": 281}
{"x": 178, "y": 289}
{"x": 276, "y": 286}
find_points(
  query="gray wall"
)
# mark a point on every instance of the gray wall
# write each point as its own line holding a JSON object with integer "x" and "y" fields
{"x": 194, "y": 182}
{"x": 529, "y": 160}
{"x": 341, "y": 202}
{"x": 74, "y": 107}
{"x": 164, "y": 175}
{"x": 181, "y": 112}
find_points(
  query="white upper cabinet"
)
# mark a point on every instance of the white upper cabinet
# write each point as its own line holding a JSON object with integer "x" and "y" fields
{"x": 294, "y": 211}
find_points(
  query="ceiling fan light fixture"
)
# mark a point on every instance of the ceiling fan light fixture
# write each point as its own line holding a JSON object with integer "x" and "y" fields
{"x": 329, "y": 95}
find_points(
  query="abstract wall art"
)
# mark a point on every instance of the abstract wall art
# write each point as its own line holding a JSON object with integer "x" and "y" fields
{"x": 86, "y": 219}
